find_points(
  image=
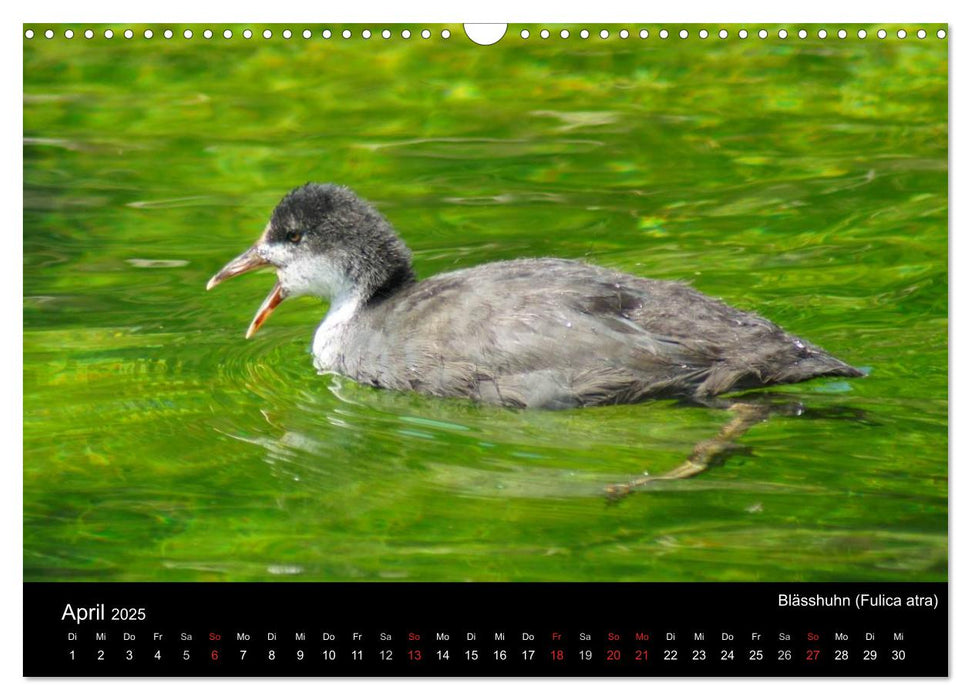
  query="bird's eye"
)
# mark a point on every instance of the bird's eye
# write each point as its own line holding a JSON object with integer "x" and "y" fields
{"x": 294, "y": 236}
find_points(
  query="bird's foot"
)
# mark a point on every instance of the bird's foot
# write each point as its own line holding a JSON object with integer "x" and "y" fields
{"x": 704, "y": 454}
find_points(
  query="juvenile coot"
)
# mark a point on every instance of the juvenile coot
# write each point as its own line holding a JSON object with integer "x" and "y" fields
{"x": 536, "y": 332}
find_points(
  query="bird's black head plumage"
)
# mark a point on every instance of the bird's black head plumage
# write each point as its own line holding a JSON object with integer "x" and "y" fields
{"x": 331, "y": 220}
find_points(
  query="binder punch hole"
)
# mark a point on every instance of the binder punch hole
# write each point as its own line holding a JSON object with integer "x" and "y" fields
{"x": 485, "y": 34}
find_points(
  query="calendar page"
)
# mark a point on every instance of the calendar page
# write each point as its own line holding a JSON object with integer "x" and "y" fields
{"x": 391, "y": 349}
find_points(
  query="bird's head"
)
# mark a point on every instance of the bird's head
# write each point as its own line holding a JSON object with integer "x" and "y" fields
{"x": 327, "y": 242}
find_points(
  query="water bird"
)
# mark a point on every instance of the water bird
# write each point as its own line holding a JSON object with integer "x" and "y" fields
{"x": 527, "y": 333}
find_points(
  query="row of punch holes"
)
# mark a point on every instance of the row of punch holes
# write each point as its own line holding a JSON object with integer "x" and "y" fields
{"x": 490, "y": 34}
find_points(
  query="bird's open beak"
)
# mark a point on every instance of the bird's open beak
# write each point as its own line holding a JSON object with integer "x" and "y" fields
{"x": 250, "y": 260}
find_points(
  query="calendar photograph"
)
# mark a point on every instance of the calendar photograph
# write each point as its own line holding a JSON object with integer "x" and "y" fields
{"x": 576, "y": 303}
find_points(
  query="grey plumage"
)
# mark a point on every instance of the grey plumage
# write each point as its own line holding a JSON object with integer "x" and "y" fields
{"x": 559, "y": 333}
{"x": 544, "y": 332}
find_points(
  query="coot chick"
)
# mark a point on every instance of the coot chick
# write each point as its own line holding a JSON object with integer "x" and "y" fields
{"x": 537, "y": 332}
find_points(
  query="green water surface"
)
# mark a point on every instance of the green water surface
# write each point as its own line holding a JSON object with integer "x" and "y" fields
{"x": 805, "y": 180}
